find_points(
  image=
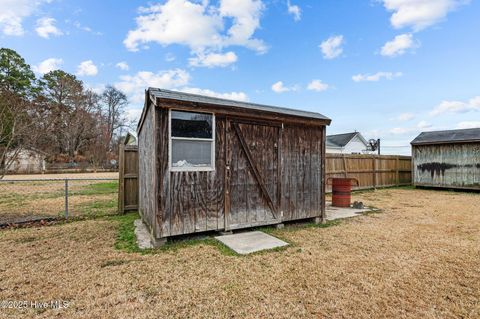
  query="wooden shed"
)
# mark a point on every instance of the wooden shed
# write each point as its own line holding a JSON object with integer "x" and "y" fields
{"x": 210, "y": 164}
{"x": 449, "y": 159}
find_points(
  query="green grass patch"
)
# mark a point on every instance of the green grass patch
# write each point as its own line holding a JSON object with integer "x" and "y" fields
{"x": 126, "y": 239}
{"x": 98, "y": 189}
{"x": 97, "y": 208}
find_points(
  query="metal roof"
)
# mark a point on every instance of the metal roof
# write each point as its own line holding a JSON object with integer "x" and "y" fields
{"x": 446, "y": 137}
{"x": 175, "y": 95}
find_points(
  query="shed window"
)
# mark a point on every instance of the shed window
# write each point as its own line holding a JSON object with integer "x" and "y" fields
{"x": 192, "y": 138}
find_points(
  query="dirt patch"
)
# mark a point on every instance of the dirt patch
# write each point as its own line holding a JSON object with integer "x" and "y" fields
{"x": 420, "y": 258}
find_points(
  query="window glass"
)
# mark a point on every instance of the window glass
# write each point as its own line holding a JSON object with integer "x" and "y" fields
{"x": 190, "y": 153}
{"x": 191, "y": 125}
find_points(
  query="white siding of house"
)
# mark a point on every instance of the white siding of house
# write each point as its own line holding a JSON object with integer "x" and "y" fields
{"x": 356, "y": 145}
{"x": 334, "y": 150}
{"x": 27, "y": 162}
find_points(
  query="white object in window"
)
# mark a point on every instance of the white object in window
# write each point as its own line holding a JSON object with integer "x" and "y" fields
{"x": 192, "y": 141}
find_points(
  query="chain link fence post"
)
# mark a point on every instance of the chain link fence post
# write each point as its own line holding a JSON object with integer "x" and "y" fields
{"x": 66, "y": 199}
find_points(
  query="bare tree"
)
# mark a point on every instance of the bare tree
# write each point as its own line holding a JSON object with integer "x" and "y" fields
{"x": 114, "y": 103}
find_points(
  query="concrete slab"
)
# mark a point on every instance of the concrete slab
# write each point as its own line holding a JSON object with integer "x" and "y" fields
{"x": 142, "y": 234}
{"x": 334, "y": 213}
{"x": 250, "y": 242}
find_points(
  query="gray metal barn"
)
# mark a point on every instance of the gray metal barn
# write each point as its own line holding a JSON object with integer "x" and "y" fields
{"x": 449, "y": 159}
{"x": 213, "y": 164}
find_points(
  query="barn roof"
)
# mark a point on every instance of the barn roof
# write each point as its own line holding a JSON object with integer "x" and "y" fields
{"x": 341, "y": 140}
{"x": 175, "y": 95}
{"x": 447, "y": 137}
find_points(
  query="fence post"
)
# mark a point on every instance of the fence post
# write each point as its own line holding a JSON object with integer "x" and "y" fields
{"x": 397, "y": 175}
{"x": 66, "y": 199}
{"x": 121, "y": 179}
{"x": 374, "y": 159}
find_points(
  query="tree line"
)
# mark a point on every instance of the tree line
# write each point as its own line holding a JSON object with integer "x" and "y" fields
{"x": 57, "y": 115}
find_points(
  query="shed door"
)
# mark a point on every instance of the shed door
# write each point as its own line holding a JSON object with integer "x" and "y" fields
{"x": 253, "y": 174}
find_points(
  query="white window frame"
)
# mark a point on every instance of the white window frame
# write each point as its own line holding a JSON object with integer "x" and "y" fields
{"x": 170, "y": 138}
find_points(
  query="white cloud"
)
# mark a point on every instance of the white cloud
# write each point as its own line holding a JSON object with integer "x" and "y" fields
{"x": 122, "y": 66}
{"x": 404, "y": 117}
{"x": 457, "y": 106}
{"x": 13, "y": 12}
{"x": 376, "y": 77}
{"x": 237, "y": 96}
{"x": 170, "y": 57}
{"x": 468, "y": 124}
{"x": 177, "y": 79}
{"x": 213, "y": 59}
{"x": 198, "y": 25}
{"x": 97, "y": 88}
{"x": 79, "y": 26}
{"x": 317, "y": 85}
{"x": 332, "y": 47}
{"x": 279, "y": 87}
{"x": 295, "y": 11}
{"x": 399, "y": 45}
{"x": 48, "y": 65}
{"x": 419, "y": 14}
{"x": 133, "y": 114}
{"x": 135, "y": 85}
{"x": 46, "y": 27}
{"x": 422, "y": 125}
{"x": 87, "y": 68}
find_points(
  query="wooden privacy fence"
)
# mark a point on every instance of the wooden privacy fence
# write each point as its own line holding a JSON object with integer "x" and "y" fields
{"x": 128, "y": 178}
{"x": 371, "y": 171}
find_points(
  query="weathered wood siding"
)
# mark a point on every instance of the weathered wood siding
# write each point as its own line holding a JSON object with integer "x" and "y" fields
{"x": 301, "y": 188}
{"x": 264, "y": 174}
{"x": 191, "y": 202}
{"x": 128, "y": 178}
{"x": 370, "y": 171}
{"x": 447, "y": 165}
{"x": 249, "y": 205}
{"x": 147, "y": 173}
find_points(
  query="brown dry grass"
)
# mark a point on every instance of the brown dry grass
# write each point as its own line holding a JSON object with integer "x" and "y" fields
{"x": 47, "y": 198}
{"x": 420, "y": 258}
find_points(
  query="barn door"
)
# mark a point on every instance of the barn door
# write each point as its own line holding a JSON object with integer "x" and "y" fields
{"x": 253, "y": 174}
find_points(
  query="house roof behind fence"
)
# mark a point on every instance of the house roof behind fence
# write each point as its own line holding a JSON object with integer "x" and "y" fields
{"x": 446, "y": 137}
{"x": 175, "y": 95}
{"x": 341, "y": 140}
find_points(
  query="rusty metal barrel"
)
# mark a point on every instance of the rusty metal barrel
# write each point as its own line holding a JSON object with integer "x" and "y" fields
{"x": 342, "y": 191}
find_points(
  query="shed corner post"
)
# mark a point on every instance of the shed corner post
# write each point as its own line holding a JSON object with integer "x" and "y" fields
{"x": 323, "y": 181}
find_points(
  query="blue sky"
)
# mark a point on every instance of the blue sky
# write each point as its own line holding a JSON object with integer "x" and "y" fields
{"x": 387, "y": 68}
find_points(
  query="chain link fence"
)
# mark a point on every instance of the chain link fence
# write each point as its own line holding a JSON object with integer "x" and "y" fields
{"x": 31, "y": 198}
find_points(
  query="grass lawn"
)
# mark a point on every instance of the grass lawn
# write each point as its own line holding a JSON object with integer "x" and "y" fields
{"x": 420, "y": 258}
{"x": 47, "y": 198}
